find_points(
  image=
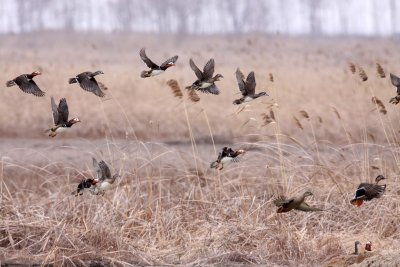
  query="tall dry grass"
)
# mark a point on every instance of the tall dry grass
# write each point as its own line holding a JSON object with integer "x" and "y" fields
{"x": 169, "y": 207}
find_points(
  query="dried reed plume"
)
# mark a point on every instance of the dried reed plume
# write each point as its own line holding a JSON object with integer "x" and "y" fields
{"x": 380, "y": 71}
{"x": 271, "y": 77}
{"x": 268, "y": 118}
{"x": 304, "y": 114}
{"x": 296, "y": 120}
{"x": 362, "y": 74}
{"x": 352, "y": 67}
{"x": 337, "y": 113}
{"x": 176, "y": 90}
{"x": 193, "y": 96}
{"x": 380, "y": 105}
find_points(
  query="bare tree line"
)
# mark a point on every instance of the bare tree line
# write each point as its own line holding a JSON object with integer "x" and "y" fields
{"x": 365, "y": 17}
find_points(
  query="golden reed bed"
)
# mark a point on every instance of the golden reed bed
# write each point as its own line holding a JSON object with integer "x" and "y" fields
{"x": 322, "y": 128}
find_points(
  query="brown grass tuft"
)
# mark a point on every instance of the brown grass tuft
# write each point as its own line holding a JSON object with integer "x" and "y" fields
{"x": 337, "y": 113}
{"x": 176, "y": 90}
{"x": 271, "y": 77}
{"x": 381, "y": 106}
{"x": 380, "y": 71}
{"x": 268, "y": 118}
{"x": 193, "y": 95}
{"x": 304, "y": 114}
{"x": 362, "y": 74}
{"x": 352, "y": 67}
{"x": 297, "y": 122}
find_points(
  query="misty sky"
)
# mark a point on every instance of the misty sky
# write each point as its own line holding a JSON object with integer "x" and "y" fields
{"x": 292, "y": 17}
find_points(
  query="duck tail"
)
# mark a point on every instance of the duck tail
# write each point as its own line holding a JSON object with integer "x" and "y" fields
{"x": 10, "y": 83}
{"x": 145, "y": 74}
{"x": 214, "y": 164}
{"x": 72, "y": 80}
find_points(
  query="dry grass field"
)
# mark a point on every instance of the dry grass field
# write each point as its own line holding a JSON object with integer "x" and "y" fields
{"x": 169, "y": 208}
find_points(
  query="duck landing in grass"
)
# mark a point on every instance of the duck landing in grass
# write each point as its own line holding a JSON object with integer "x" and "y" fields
{"x": 367, "y": 191}
{"x": 88, "y": 83}
{"x": 205, "y": 81}
{"x": 297, "y": 203}
{"x": 60, "y": 116}
{"x": 26, "y": 83}
{"x": 85, "y": 184}
{"x": 103, "y": 179}
{"x": 247, "y": 88}
{"x": 227, "y": 156}
{"x": 154, "y": 68}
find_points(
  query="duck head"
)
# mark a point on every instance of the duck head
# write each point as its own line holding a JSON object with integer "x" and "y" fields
{"x": 218, "y": 77}
{"x": 35, "y": 73}
{"x": 98, "y": 72}
{"x": 307, "y": 193}
{"x": 379, "y": 178}
{"x": 74, "y": 120}
{"x": 241, "y": 151}
{"x": 169, "y": 64}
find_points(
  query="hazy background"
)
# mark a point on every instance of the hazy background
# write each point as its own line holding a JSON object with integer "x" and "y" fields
{"x": 292, "y": 17}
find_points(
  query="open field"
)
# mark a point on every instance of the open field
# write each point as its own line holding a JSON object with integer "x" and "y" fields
{"x": 169, "y": 208}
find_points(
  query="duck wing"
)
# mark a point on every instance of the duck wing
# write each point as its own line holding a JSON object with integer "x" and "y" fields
{"x": 171, "y": 60}
{"x": 63, "y": 112}
{"x": 282, "y": 201}
{"x": 54, "y": 109}
{"x": 196, "y": 70}
{"x": 29, "y": 86}
{"x": 395, "y": 81}
{"x": 102, "y": 170}
{"x": 369, "y": 191}
{"x": 147, "y": 60}
{"x": 305, "y": 207}
{"x": 91, "y": 85}
{"x": 208, "y": 69}
{"x": 240, "y": 81}
{"x": 251, "y": 83}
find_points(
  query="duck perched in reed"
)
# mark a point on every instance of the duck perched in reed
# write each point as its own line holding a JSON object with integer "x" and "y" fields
{"x": 228, "y": 155}
{"x": 26, "y": 83}
{"x": 154, "y": 68}
{"x": 287, "y": 204}
{"x": 247, "y": 87}
{"x": 60, "y": 117}
{"x": 368, "y": 191}
{"x": 88, "y": 83}
{"x": 205, "y": 81}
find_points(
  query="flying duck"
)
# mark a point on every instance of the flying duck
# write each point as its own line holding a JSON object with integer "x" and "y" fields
{"x": 205, "y": 81}
{"x": 26, "y": 83}
{"x": 367, "y": 191}
{"x": 88, "y": 83}
{"x": 154, "y": 68}
{"x": 103, "y": 179}
{"x": 227, "y": 156}
{"x": 297, "y": 203}
{"x": 60, "y": 116}
{"x": 396, "y": 82}
{"x": 247, "y": 88}
{"x": 84, "y": 185}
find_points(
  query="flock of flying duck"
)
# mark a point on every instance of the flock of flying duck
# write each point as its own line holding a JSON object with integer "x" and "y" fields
{"x": 205, "y": 83}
